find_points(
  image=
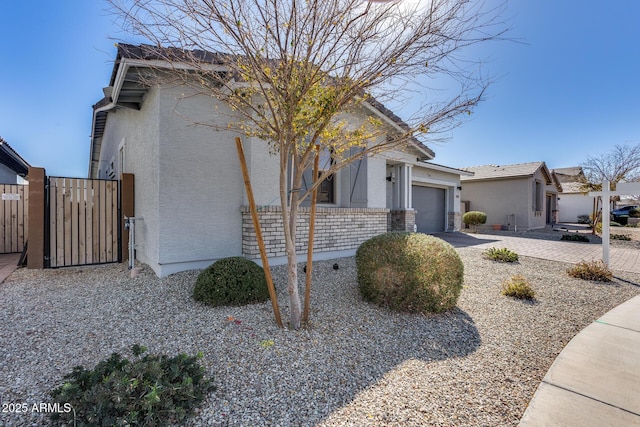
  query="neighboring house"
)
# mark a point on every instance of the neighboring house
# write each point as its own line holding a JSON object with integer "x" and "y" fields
{"x": 521, "y": 196}
{"x": 13, "y": 168}
{"x": 189, "y": 190}
{"x": 574, "y": 200}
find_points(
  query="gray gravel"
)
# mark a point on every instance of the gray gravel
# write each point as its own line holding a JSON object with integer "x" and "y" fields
{"x": 358, "y": 365}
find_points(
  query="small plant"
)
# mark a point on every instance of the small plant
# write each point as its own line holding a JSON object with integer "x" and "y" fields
{"x": 518, "y": 287}
{"x": 231, "y": 281}
{"x": 501, "y": 255}
{"x": 575, "y": 237}
{"x": 584, "y": 219}
{"x": 595, "y": 270}
{"x": 474, "y": 218}
{"x": 619, "y": 237}
{"x": 410, "y": 272}
{"x": 151, "y": 390}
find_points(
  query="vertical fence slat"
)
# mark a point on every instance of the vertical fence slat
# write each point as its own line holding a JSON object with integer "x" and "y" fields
{"x": 67, "y": 222}
{"x": 108, "y": 231}
{"x": 82, "y": 235}
{"x": 90, "y": 200}
{"x": 13, "y": 247}
{"x": 53, "y": 232}
{"x": 21, "y": 217}
{"x": 60, "y": 222}
{"x": 96, "y": 221}
{"x": 73, "y": 199}
{"x": 115, "y": 223}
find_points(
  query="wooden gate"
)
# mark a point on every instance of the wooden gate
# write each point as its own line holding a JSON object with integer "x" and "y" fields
{"x": 83, "y": 222}
{"x": 14, "y": 212}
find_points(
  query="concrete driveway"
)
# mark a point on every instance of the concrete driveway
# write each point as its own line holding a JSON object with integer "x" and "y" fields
{"x": 621, "y": 259}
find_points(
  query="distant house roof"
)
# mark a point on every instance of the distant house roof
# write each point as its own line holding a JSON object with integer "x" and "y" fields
{"x": 573, "y": 187}
{"x": 505, "y": 171}
{"x": 571, "y": 174}
{"x": 499, "y": 172}
{"x": 127, "y": 90}
{"x": 10, "y": 158}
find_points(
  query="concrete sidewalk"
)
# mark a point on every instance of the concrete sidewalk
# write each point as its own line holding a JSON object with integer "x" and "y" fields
{"x": 595, "y": 380}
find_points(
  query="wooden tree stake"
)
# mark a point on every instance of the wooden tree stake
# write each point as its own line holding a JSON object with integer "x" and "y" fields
{"x": 256, "y": 226}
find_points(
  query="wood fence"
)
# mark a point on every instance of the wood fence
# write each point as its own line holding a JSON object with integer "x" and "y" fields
{"x": 83, "y": 221}
{"x": 14, "y": 217}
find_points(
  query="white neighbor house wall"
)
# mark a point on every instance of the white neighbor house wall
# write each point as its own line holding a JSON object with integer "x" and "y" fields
{"x": 573, "y": 203}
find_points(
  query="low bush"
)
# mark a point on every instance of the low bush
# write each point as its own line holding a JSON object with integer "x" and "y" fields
{"x": 575, "y": 237}
{"x": 410, "y": 272}
{"x": 634, "y": 213}
{"x": 595, "y": 270}
{"x": 584, "y": 219}
{"x": 154, "y": 390}
{"x": 518, "y": 287}
{"x": 501, "y": 255}
{"x": 474, "y": 218}
{"x": 619, "y": 237}
{"x": 231, "y": 281}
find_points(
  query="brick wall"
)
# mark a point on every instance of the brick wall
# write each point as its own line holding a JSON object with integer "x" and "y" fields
{"x": 335, "y": 229}
{"x": 401, "y": 220}
{"x": 454, "y": 221}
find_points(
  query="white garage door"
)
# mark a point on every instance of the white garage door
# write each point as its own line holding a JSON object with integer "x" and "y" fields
{"x": 430, "y": 205}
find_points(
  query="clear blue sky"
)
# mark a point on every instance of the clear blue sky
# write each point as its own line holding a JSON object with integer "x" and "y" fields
{"x": 570, "y": 90}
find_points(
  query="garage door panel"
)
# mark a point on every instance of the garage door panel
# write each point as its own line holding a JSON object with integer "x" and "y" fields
{"x": 429, "y": 202}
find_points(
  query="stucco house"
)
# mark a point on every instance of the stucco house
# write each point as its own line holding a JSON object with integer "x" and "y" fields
{"x": 519, "y": 197}
{"x": 189, "y": 191}
{"x": 13, "y": 168}
{"x": 574, "y": 200}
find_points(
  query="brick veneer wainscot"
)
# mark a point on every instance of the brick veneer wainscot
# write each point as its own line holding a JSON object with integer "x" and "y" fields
{"x": 336, "y": 229}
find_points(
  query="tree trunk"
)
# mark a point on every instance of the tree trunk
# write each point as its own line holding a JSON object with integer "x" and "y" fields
{"x": 289, "y": 222}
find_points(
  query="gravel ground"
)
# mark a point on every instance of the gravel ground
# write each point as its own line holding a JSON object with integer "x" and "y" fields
{"x": 357, "y": 365}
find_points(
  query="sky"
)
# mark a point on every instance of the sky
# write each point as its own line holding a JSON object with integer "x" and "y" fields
{"x": 566, "y": 85}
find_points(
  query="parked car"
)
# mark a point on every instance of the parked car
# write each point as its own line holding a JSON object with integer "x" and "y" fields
{"x": 625, "y": 210}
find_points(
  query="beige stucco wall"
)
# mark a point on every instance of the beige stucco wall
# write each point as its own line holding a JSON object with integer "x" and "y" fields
{"x": 500, "y": 198}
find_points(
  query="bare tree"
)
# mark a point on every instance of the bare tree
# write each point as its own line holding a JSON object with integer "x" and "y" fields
{"x": 622, "y": 163}
{"x": 294, "y": 69}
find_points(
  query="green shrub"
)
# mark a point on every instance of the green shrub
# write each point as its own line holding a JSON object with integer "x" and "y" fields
{"x": 231, "y": 281}
{"x": 410, "y": 272}
{"x": 575, "y": 237}
{"x": 518, "y": 287}
{"x": 584, "y": 219}
{"x": 153, "y": 390}
{"x": 595, "y": 270}
{"x": 634, "y": 213}
{"x": 474, "y": 218}
{"x": 619, "y": 237}
{"x": 501, "y": 255}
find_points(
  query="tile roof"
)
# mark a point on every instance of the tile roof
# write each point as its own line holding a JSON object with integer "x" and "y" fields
{"x": 503, "y": 171}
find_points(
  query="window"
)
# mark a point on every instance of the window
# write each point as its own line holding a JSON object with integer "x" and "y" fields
{"x": 538, "y": 196}
{"x": 326, "y": 190}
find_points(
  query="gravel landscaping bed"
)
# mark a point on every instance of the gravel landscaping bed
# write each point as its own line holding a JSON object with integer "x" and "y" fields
{"x": 357, "y": 365}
